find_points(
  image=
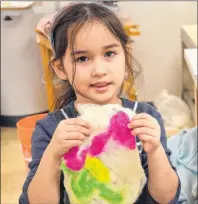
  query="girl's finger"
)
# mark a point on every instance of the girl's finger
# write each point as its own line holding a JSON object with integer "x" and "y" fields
{"x": 77, "y": 128}
{"x": 142, "y": 123}
{"x": 148, "y": 138}
{"x": 143, "y": 116}
{"x": 77, "y": 121}
{"x": 144, "y": 131}
{"x": 74, "y": 136}
{"x": 73, "y": 143}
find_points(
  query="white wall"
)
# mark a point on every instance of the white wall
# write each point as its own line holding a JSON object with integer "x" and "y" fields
{"x": 159, "y": 46}
{"x": 22, "y": 89}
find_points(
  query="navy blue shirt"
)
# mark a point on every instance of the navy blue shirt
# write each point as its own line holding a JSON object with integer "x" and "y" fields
{"x": 45, "y": 129}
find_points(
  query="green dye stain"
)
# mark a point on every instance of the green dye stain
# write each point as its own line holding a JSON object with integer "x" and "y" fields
{"x": 67, "y": 170}
{"x": 82, "y": 184}
{"x": 109, "y": 195}
{"x": 64, "y": 168}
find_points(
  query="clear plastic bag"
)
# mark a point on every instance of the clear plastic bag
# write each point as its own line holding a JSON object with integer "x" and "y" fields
{"x": 175, "y": 112}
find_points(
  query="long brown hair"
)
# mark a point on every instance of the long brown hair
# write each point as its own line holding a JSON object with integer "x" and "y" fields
{"x": 75, "y": 16}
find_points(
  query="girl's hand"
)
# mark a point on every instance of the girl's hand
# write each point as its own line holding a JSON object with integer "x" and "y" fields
{"x": 147, "y": 129}
{"x": 69, "y": 133}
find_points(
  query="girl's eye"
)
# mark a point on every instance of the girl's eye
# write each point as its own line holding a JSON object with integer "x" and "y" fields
{"x": 110, "y": 54}
{"x": 82, "y": 59}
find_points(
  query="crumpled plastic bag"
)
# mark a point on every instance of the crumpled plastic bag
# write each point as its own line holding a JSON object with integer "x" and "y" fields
{"x": 175, "y": 112}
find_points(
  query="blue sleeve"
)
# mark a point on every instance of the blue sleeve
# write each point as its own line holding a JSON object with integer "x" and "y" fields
{"x": 145, "y": 196}
{"x": 40, "y": 140}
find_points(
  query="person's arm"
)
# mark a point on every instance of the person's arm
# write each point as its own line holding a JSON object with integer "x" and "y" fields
{"x": 48, "y": 147}
{"x": 45, "y": 186}
{"x": 163, "y": 183}
{"x": 43, "y": 179}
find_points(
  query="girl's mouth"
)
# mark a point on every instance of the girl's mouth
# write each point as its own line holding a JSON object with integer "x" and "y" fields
{"x": 101, "y": 86}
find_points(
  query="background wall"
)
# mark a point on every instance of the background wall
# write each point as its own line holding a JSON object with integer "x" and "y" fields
{"x": 22, "y": 89}
{"x": 158, "y": 49}
{"x": 159, "y": 46}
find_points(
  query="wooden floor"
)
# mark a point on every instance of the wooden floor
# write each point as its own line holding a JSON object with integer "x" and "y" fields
{"x": 13, "y": 170}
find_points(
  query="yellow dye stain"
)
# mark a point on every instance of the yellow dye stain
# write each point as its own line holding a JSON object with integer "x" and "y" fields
{"x": 97, "y": 169}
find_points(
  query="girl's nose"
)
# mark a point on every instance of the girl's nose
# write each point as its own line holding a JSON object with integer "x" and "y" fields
{"x": 99, "y": 68}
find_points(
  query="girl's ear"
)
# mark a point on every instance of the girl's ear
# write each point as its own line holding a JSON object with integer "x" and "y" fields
{"x": 58, "y": 69}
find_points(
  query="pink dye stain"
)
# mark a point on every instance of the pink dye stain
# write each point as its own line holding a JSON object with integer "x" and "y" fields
{"x": 98, "y": 143}
{"x": 72, "y": 161}
{"x": 120, "y": 132}
{"x": 117, "y": 131}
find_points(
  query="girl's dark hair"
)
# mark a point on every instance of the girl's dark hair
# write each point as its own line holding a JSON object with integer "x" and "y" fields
{"x": 77, "y": 15}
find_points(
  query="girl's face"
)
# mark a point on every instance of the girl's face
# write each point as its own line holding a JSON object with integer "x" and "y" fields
{"x": 100, "y": 65}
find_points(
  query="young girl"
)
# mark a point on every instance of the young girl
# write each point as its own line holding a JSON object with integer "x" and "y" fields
{"x": 92, "y": 58}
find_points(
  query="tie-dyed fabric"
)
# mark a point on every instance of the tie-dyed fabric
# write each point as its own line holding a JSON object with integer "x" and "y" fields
{"x": 106, "y": 169}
